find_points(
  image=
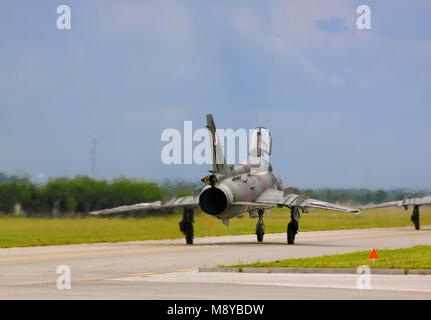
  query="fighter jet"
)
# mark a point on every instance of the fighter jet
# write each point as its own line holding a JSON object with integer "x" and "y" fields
{"x": 415, "y": 202}
{"x": 232, "y": 191}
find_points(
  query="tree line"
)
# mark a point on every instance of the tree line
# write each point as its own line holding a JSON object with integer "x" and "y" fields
{"x": 81, "y": 194}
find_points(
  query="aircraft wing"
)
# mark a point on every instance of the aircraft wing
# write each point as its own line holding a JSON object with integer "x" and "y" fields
{"x": 383, "y": 205}
{"x": 277, "y": 198}
{"x": 189, "y": 201}
{"x": 421, "y": 201}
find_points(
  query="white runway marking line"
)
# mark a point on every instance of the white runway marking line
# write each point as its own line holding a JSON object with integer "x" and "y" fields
{"x": 408, "y": 283}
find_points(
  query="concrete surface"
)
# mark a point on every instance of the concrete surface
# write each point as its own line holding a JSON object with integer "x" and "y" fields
{"x": 167, "y": 269}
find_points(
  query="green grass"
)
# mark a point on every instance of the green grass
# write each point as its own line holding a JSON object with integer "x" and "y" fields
{"x": 16, "y": 231}
{"x": 411, "y": 258}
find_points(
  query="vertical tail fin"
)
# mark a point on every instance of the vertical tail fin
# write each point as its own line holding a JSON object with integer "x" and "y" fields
{"x": 219, "y": 161}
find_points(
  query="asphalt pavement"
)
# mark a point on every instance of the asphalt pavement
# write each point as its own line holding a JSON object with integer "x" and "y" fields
{"x": 168, "y": 269}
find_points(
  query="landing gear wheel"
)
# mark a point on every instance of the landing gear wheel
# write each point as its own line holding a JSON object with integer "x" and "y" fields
{"x": 189, "y": 234}
{"x": 415, "y": 220}
{"x": 186, "y": 225}
{"x": 293, "y": 226}
{"x": 415, "y": 217}
{"x": 260, "y": 231}
{"x": 417, "y": 225}
{"x": 291, "y": 232}
{"x": 187, "y": 229}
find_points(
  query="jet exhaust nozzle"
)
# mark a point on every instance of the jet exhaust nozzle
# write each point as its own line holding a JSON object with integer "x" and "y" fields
{"x": 213, "y": 201}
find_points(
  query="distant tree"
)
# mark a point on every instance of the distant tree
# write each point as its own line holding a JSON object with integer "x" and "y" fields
{"x": 327, "y": 195}
{"x": 4, "y": 178}
{"x": 380, "y": 196}
{"x": 82, "y": 194}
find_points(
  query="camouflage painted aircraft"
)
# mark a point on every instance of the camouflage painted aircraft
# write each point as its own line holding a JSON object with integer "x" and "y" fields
{"x": 232, "y": 191}
{"x": 415, "y": 202}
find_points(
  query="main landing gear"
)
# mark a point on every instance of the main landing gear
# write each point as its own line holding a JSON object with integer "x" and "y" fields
{"x": 186, "y": 225}
{"x": 260, "y": 227}
{"x": 415, "y": 217}
{"x": 293, "y": 226}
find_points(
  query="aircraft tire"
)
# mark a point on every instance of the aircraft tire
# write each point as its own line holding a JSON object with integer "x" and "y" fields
{"x": 416, "y": 223}
{"x": 188, "y": 230}
{"x": 260, "y": 231}
{"x": 415, "y": 217}
{"x": 291, "y": 232}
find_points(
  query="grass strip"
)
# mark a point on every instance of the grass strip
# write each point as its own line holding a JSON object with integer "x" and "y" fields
{"x": 16, "y": 231}
{"x": 418, "y": 257}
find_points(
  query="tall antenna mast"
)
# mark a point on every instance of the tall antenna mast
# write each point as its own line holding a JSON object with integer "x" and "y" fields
{"x": 93, "y": 157}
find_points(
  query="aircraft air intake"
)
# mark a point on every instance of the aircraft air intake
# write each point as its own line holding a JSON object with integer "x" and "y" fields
{"x": 213, "y": 201}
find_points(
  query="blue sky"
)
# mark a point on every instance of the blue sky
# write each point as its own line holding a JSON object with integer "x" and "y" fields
{"x": 346, "y": 107}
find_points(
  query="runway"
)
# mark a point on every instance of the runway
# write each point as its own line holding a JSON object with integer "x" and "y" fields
{"x": 167, "y": 269}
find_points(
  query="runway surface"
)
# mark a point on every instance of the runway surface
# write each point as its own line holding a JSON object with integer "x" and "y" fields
{"x": 167, "y": 269}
